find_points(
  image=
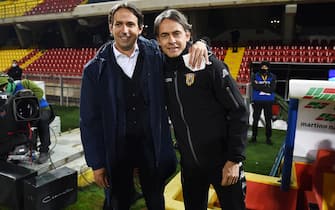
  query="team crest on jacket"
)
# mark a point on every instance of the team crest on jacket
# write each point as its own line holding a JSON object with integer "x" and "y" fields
{"x": 189, "y": 78}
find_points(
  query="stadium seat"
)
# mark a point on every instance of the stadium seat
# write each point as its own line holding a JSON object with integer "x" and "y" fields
{"x": 54, "y": 6}
{"x": 62, "y": 61}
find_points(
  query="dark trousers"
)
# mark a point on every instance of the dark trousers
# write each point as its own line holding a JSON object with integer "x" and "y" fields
{"x": 44, "y": 130}
{"x": 139, "y": 155}
{"x": 258, "y": 106}
{"x": 235, "y": 47}
{"x": 196, "y": 182}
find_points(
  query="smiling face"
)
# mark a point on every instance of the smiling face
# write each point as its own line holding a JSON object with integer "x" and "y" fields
{"x": 172, "y": 37}
{"x": 125, "y": 30}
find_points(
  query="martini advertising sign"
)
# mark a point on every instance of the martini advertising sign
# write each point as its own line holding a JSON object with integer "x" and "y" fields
{"x": 315, "y": 127}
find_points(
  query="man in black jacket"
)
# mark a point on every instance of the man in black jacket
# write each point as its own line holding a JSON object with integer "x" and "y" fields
{"x": 123, "y": 118}
{"x": 15, "y": 71}
{"x": 209, "y": 117}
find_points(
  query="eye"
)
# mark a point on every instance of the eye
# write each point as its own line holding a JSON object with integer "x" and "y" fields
{"x": 177, "y": 34}
{"x": 163, "y": 35}
{"x": 117, "y": 24}
{"x": 131, "y": 24}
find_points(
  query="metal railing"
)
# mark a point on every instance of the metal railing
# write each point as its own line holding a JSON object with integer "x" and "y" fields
{"x": 65, "y": 90}
{"x": 60, "y": 90}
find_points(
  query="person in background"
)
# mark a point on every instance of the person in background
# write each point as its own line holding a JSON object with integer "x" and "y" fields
{"x": 123, "y": 119}
{"x": 209, "y": 117}
{"x": 15, "y": 71}
{"x": 46, "y": 113}
{"x": 235, "y": 37}
{"x": 263, "y": 95}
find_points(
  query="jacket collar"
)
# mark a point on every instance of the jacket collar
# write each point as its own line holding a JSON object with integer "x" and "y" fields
{"x": 176, "y": 63}
{"x": 105, "y": 51}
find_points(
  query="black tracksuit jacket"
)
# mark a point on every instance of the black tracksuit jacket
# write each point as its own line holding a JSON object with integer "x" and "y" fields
{"x": 208, "y": 113}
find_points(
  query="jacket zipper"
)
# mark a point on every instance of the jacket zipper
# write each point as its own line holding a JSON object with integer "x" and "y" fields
{"x": 181, "y": 109}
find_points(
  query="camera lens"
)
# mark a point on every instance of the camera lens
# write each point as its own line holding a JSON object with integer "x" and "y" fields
{"x": 26, "y": 109}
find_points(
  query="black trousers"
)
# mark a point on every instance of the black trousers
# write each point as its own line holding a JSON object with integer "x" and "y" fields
{"x": 44, "y": 130}
{"x": 136, "y": 152}
{"x": 258, "y": 106}
{"x": 196, "y": 183}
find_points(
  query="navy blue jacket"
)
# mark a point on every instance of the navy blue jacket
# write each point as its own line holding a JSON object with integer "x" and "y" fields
{"x": 102, "y": 114}
{"x": 263, "y": 88}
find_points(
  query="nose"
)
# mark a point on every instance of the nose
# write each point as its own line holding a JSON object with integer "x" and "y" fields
{"x": 124, "y": 28}
{"x": 172, "y": 39}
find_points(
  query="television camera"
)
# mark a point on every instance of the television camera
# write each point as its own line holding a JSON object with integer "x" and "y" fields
{"x": 17, "y": 113}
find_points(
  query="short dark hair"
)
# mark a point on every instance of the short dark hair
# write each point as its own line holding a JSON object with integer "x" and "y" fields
{"x": 265, "y": 63}
{"x": 172, "y": 14}
{"x": 131, "y": 7}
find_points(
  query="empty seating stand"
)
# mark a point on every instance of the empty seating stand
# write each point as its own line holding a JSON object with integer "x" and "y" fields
{"x": 63, "y": 61}
{"x": 281, "y": 54}
{"x": 7, "y": 56}
{"x": 311, "y": 53}
{"x": 67, "y": 61}
{"x": 54, "y": 6}
{"x": 294, "y": 53}
{"x": 219, "y": 52}
{"x": 16, "y": 8}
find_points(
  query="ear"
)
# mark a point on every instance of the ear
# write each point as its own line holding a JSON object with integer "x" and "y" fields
{"x": 188, "y": 36}
{"x": 110, "y": 27}
{"x": 159, "y": 43}
{"x": 140, "y": 30}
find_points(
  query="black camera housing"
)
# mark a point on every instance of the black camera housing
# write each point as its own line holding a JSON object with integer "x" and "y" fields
{"x": 16, "y": 113}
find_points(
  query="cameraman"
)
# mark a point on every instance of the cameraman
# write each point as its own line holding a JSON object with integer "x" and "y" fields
{"x": 46, "y": 115}
{"x": 15, "y": 71}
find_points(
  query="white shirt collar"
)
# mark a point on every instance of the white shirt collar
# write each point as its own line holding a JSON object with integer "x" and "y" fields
{"x": 117, "y": 53}
{"x": 126, "y": 63}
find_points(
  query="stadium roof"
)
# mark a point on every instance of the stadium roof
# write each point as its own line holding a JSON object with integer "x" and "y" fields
{"x": 101, "y": 9}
